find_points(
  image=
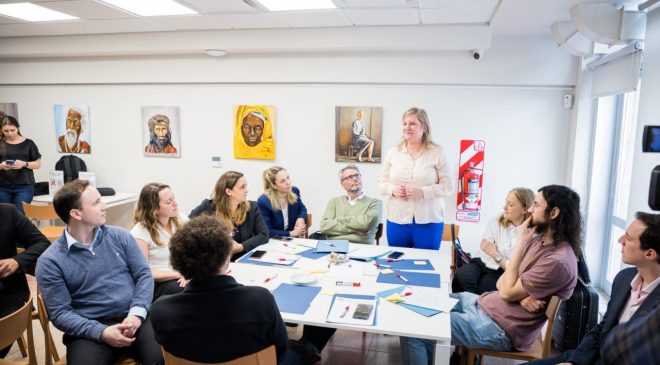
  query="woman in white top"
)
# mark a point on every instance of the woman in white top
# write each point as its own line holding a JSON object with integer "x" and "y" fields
{"x": 481, "y": 274}
{"x": 415, "y": 177}
{"x": 156, "y": 219}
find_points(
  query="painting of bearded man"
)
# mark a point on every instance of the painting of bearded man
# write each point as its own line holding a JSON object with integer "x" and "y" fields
{"x": 160, "y": 132}
{"x": 72, "y": 128}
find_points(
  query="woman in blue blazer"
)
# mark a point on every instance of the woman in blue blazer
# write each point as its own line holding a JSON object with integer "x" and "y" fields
{"x": 281, "y": 206}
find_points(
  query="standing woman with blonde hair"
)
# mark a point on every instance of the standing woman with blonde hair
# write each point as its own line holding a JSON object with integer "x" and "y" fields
{"x": 229, "y": 204}
{"x": 415, "y": 177}
{"x": 281, "y": 206}
{"x": 18, "y": 157}
{"x": 156, "y": 219}
{"x": 481, "y": 274}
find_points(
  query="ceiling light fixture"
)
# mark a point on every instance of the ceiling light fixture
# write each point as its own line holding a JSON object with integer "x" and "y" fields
{"x": 152, "y": 7}
{"x": 293, "y": 5}
{"x": 33, "y": 13}
{"x": 216, "y": 52}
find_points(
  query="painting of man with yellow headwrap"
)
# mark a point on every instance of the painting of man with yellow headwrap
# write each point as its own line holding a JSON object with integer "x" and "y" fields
{"x": 253, "y": 132}
{"x": 160, "y": 131}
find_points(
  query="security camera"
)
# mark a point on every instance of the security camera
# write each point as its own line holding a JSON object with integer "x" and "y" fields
{"x": 477, "y": 53}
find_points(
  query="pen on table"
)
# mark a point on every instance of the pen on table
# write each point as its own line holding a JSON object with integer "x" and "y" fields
{"x": 345, "y": 311}
{"x": 270, "y": 278}
{"x": 381, "y": 265}
{"x": 348, "y": 283}
{"x": 402, "y": 278}
{"x": 393, "y": 260}
{"x": 406, "y": 294}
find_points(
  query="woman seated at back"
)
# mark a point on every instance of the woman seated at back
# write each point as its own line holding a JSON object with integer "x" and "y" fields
{"x": 481, "y": 274}
{"x": 281, "y": 205}
{"x": 229, "y": 204}
{"x": 156, "y": 219}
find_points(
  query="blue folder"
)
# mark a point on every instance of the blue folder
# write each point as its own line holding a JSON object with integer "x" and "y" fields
{"x": 407, "y": 264}
{"x": 355, "y": 296}
{"x": 414, "y": 279}
{"x": 338, "y": 246}
{"x": 312, "y": 254}
{"x": 295, "y": 298}
{"x": 427, "y": 312}
{"x": 246, "y": 259}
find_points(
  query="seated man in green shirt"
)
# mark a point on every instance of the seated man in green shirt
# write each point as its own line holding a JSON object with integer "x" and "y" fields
{"x": 354, "y": 216}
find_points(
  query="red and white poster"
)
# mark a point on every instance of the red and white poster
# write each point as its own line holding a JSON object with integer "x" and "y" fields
{"x": 470, "y": 180}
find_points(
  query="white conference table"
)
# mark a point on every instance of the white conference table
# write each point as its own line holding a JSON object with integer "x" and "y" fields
{"x": 120, "y": 206}
{"x": 391, "y": 319}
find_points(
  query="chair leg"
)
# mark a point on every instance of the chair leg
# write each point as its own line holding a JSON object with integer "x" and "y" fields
{"x": 470, "y": 357}
{"x": 21, "y": 346}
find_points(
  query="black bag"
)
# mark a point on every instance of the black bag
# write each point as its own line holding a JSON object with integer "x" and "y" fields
{"x": 71, "y": 165}
{"x": 106, "y": 191}
{"x": 41, "y": 188}
{"x": 461, "y": 256}
{"x": 577, "y": 315}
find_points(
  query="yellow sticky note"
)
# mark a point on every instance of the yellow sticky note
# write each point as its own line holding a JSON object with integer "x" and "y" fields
{"x": 395, "y": 298}
{"x": 328, "y": 292}
{"x": 387, "y": 271}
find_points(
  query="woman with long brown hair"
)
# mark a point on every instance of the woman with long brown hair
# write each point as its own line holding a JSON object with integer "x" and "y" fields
{"x": 229, "y": 204}
{"x": 156, "y": 219}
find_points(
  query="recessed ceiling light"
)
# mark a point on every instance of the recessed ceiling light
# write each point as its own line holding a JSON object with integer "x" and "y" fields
{"x": 33, "y": 13}
{"x": 152, "y": 7}
{"x": 290, "y": 5}
{"x": 216, "y": 52}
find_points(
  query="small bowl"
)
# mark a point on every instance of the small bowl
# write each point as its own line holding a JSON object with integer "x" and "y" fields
{"x": 303, "y": 278}
{"x": 338, "y": 258}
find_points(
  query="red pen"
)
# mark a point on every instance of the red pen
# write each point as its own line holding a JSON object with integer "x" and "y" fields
{"x": 281, "y": 259}
{"x": 381, "y": 265}
{"x": 345, "y": 311}
{"x": 348, "y": 283}
{"x": 270, "y": 278}
{"x": 393, "y": 260}
{"x": 407, "y": 294}
{"x": 402, "y": 278}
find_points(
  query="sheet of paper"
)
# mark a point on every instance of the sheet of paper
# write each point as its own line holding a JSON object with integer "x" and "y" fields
{"x": 287, "y": 247}
{"x": 342, "y": 311}
{"x": 367, "y": 253}
{"x": 275, "y": 257}
{"x": 425, "y": 298}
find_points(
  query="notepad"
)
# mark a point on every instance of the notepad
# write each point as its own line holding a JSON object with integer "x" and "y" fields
{"x": 344, "y": 306}
{"x": 338, "y": 246}
{"x": 408, "y": 264}
{"x": 414, "y": 279}
{"x": 295, "y": 299}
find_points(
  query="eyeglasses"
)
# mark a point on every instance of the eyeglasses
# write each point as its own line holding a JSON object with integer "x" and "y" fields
{"x": 351, "y": 177}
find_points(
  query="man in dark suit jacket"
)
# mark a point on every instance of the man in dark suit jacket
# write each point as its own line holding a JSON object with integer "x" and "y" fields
{"x": 636, "y": 342}
{"x": 15, "y": 227}
{"x": 640, "y": 248}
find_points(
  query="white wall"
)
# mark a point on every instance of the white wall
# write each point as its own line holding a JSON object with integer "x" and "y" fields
{"x": 648, "y": 114}
{"x": 512, "y": 98}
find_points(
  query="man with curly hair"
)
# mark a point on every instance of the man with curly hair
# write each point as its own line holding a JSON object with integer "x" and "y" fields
{"x": 215, "y": 319}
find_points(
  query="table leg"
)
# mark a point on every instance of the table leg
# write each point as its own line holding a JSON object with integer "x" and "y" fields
{"x": 442, "y": 352}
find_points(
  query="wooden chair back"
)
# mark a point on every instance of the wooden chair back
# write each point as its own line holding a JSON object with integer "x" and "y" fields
{"x": 308, "y": 223}
{"x": 266, "y": 356}
{"x": 446, "y": 232}
{"x": 41, "y": 213}
{"x": 540, "y": 349}
{"x": 13, "y": 326}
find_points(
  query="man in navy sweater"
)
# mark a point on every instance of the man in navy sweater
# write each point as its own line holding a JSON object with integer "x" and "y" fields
{"x": 96, "y": 284}
{"x": 635, "y": 292}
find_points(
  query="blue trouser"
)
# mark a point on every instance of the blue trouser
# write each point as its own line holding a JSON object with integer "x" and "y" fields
{"x": 470, "y": 327}
{"x": 426, "y": 236}
{"x": 17, "y": 194}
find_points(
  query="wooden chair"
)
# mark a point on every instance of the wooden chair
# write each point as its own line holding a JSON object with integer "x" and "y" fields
{"x": 379, "y": 233}
{"x": 41, "y": 213}
{"x": 12, "y": 327}
{"x": 308, "y": 223}
{"x": 539, "y": 350}
{"x": 52, "y": 357}
{"x": 266, "y": 356}
{"x": 446, "y": 236}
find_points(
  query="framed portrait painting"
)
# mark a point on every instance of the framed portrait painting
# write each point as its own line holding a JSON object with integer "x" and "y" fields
{"x": 358, "y": 135}
{"x": 253, "y": 132}
{"x": 72, "y": 128}
{"x": 161, "y": 131}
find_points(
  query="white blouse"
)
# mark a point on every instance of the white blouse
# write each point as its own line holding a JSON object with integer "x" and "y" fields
{"x": 430, "y": 171}
{"x": 159, "y": 257}
{"x": 503, "y": 238}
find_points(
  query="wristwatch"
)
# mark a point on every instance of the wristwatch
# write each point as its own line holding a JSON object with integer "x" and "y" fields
{"x": 499, "y": 258}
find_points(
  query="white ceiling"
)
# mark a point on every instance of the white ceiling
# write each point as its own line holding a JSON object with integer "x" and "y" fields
{"x": 505, "y": 17}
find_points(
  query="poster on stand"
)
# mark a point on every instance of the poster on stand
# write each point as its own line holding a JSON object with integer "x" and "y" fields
{"x": 470, "y": 180}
